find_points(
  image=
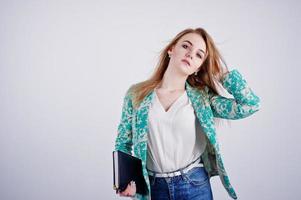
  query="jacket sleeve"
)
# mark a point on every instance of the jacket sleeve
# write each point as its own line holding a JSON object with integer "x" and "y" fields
{"x": 244, "y": 103}
{"x": 123, "y": 141}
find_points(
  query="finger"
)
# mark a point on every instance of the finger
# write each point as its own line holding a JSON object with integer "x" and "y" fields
{"x": 126, "y": 191}
{"x": 133, "y": 184}
{"x": 123, "y": 192}
{"x": 133, "y": 189}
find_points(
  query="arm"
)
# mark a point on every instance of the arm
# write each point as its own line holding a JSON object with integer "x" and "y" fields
{"x": 244, "y": 103}
{"x": 123, "y": 140}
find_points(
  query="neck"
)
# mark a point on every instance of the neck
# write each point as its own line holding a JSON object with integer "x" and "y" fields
{"x": 173, "y": 80}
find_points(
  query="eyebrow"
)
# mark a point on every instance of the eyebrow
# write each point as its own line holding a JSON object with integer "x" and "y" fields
{"x": 192, "y": 45}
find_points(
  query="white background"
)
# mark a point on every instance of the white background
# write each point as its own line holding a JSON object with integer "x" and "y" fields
{"x": 65, "y": 67}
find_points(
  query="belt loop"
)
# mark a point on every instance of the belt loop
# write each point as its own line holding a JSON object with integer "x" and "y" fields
{"x": 182, "y": 174}
{"x": 154, "y": 175}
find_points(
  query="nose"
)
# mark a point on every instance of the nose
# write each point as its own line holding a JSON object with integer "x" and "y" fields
{"x": 189, "y": 55}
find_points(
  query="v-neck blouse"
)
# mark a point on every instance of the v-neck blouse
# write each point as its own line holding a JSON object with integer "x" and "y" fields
{"x": 175, "y": 137}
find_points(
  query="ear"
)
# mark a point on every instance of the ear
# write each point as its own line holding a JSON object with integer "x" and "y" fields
{"x": 170, "y": 50}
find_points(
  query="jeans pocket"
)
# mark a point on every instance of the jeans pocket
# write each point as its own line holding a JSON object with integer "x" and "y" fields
{"x": 197, "y": 176}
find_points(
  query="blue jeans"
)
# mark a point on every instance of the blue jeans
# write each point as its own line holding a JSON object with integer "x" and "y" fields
{"x": 193, "y": 185}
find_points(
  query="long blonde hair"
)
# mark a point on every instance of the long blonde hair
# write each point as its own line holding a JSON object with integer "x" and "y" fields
{"x": 210, "y": 71}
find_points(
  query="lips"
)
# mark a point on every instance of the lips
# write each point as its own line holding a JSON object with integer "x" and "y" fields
{"x": 186, "y": 61}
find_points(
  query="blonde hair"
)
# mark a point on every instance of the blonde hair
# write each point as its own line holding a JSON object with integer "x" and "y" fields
{"x": 210, "y": 71}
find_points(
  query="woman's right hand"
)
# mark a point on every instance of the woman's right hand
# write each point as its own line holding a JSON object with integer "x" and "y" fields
{"x": 130, "y": 191}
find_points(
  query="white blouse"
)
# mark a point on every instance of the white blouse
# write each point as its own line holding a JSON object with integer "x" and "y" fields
{"x": 175, "y": 138}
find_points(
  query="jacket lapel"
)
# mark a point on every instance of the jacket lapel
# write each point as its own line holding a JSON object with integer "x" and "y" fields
{"x": 203, "y": 111}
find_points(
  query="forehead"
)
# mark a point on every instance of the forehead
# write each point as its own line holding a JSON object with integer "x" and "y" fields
{"x": 196, "y": 40}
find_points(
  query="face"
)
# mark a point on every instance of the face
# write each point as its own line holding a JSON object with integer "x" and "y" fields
{"x": 188, "y": 54}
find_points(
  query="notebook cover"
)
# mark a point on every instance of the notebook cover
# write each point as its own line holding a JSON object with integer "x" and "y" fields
{"x": 129, "y": 168}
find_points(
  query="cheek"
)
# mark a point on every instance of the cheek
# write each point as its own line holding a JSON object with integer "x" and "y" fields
{"x": 197, "y": 65}
{"x": 181, "y": 51}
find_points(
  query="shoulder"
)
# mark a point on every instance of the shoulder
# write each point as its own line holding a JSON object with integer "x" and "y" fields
{"x": 136, "y": 87}
{"x": 132, "y": 89}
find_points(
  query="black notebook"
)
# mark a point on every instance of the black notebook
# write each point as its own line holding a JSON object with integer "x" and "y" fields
{"x": 127, "y": 168}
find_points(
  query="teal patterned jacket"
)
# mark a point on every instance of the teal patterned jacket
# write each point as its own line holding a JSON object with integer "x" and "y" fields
{"x": 133, "y": 127}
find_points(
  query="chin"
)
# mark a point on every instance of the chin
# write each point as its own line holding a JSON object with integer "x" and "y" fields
{"x": 185, "y": 69}
{"x": 186, "y": 72}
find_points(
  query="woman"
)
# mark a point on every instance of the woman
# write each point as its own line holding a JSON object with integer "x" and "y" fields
{"x": 169, "y": 119}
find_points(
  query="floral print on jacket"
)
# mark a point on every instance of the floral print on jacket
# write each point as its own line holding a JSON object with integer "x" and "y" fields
{"x": 133, "y": 127}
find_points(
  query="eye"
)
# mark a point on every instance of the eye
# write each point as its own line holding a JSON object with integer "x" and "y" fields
{"x": 185, "y": 46}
